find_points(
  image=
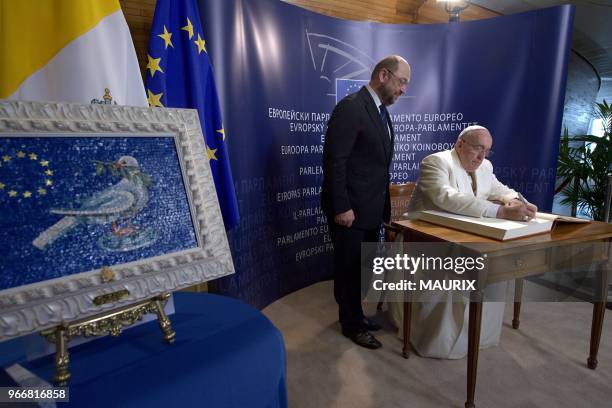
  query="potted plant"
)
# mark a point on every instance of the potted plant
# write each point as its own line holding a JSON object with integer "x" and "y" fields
{"x": 585, "y": 166}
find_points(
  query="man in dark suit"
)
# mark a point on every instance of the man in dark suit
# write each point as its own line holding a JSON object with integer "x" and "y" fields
{"x": 357, "y": 154}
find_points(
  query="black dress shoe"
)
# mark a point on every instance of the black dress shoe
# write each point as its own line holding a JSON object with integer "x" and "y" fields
{"x": 370, "y": 325}
{"x": 363, "y": 338}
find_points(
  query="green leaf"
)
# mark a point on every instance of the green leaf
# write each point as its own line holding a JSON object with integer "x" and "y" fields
{"x": 586, "y": 161}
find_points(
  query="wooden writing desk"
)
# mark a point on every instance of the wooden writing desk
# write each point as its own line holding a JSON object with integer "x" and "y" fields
{"x": 528, "y": 256}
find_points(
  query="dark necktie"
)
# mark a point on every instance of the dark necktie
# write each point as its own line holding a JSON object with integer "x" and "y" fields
{"x": 383, "y": 118}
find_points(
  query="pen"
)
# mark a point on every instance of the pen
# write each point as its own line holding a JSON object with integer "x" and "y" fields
{"x": 520, "y": 197}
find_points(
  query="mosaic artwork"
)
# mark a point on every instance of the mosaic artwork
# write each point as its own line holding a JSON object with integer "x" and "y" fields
{"x": 71, "y": 205}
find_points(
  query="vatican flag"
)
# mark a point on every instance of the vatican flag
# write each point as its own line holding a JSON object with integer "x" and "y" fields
{"x": 69, "y": 51}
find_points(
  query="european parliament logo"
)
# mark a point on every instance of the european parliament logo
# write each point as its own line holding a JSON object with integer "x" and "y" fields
{"x": 334, "y": 58}
{"x": 345, "y": 87}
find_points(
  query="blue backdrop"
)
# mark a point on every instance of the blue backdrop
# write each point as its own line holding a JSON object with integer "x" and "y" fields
{"x": 280, "y": 70}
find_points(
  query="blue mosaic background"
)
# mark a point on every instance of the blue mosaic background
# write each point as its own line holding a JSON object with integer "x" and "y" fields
{"x": 40, "y": 174}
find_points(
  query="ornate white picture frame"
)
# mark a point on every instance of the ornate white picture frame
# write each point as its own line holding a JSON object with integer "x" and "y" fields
{"x": 101, "y": 206}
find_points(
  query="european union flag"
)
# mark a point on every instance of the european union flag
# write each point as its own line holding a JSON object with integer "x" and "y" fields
{"x": 345, "y": 87}
{"x": 179, "y": 75}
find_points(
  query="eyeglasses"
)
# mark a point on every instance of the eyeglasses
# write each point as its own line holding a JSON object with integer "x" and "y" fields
{"x": 402, "y": 81}
{"x": 480, "y": 149}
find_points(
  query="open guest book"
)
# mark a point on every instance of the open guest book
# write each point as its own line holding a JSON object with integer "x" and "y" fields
{"x": 497, "y": 228}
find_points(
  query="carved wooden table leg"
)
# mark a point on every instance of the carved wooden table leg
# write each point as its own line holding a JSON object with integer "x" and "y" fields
{"x": 407, "y": 303}
{"x": 407, "y": 321}
{"x": 473, "y": 345}
{"x": 518, "y": 296}
{"x": 599, "y": 308}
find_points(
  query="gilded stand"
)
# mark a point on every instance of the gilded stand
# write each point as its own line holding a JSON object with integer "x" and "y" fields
{"x": 111, "y": 322}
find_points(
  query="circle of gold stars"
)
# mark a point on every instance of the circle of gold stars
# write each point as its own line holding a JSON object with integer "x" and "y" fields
{"x": 14, "y": 191}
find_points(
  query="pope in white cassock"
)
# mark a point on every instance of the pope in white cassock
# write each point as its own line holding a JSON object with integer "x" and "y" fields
{"x": 459, "y": 181}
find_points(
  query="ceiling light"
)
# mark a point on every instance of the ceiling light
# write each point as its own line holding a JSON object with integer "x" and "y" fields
{"x": 454, "y": 8}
